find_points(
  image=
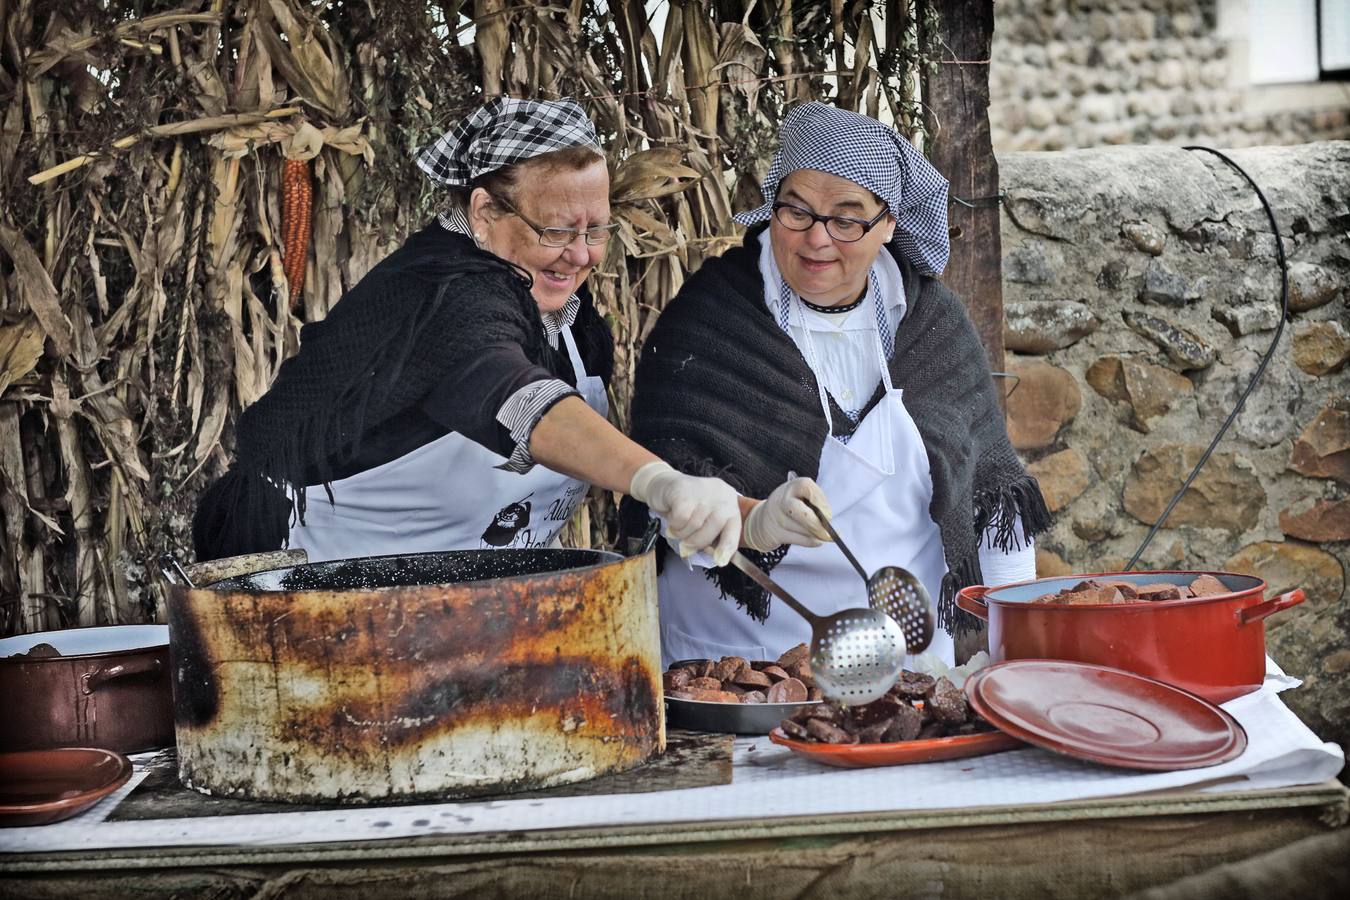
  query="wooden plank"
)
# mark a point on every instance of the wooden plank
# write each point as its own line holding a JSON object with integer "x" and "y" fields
{"x": 956, "y": 100}
{"x": 692, "y": 759}
{"x": 1097, "y": 858}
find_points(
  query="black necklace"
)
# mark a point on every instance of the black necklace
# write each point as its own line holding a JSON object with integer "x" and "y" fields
{"x": 836, "y": 309}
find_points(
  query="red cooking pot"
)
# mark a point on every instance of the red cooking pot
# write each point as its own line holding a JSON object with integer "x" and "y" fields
{"x": 1213, "y": 646}
{"x": 87, "y": 687}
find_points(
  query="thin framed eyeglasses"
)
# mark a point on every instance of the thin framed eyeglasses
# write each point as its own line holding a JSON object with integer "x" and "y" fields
{"x": 842, "y": 228}
{"x": 561, "y": 237}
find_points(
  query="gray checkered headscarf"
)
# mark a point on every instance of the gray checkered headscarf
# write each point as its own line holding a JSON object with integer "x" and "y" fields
{"x": 503, "y": 132}
{"x": 871, "y": 155}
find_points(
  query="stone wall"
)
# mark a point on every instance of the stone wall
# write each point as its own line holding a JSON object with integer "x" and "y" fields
{"x": 1141, "y": 290}
{"x": 1086, "y": 73}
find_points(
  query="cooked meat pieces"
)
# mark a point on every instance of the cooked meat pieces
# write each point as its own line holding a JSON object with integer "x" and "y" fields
{"x": 790, "y": 691}
{"x": 728, "y": 667}
{"x": 892, "y": 718}
{"x": 914, "y": 685}
{"x": 1208, "y": 586}
{"x": 829, "y": 734}
{"x": 750, "y": 679}
{"x": 790, "y": 658}
{"x": 1114, "y": 590}
{"x": 745, "y": 681}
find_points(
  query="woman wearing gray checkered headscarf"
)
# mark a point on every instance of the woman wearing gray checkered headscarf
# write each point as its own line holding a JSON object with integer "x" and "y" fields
{"x": 826, "y": 347}
{"x": 455, "y": 397}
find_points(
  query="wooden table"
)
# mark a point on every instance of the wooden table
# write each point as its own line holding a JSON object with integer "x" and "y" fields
{"x": 1098, "y": 848}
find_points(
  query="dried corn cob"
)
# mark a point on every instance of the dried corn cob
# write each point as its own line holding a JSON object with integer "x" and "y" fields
{"x": 297, "y": 198}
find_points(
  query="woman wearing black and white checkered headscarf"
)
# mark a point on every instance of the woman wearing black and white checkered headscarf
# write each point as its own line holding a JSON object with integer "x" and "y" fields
{"x": 826, "y": 347}
{"x": 455, "y": 398}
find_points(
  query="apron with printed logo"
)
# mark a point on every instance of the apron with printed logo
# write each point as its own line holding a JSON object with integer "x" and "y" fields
{"x": 445, "y": 495}
{"x": 880, "y": 488}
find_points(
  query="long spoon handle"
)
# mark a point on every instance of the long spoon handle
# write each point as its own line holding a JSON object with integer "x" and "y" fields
{"x": 834, "y": 535}
{"x": 739, "y": 560}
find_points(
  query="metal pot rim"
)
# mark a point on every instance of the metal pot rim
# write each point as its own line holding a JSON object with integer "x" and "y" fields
{"x": 37, "y": 638}
{"x": 607, "y": 558}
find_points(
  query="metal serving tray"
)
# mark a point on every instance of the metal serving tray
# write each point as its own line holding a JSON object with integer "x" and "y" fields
{"x": 727, "y": 718}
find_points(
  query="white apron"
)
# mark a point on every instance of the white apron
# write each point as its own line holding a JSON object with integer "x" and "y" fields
{"x": 445, "y": 495}
{"x": 880, "y": 488}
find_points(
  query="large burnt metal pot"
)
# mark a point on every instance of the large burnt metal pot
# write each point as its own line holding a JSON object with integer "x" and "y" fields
{"x": 431, "y": 675}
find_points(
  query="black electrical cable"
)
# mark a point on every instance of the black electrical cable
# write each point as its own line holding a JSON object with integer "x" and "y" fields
{"x": 1260, "y": 370}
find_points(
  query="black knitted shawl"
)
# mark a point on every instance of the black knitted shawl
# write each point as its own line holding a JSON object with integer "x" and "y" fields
{"x": 722, "y": 390}
{"x": 388, "y": 341}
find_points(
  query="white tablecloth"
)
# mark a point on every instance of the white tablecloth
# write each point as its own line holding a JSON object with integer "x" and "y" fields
{"x": 767, "y": 781}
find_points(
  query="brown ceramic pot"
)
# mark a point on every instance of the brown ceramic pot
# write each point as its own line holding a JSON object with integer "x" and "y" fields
{"x": 108, "y": 688}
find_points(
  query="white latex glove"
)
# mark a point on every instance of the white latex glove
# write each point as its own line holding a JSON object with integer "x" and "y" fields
{"x": 700, "y": 513}
{"x": 785, "y": 518}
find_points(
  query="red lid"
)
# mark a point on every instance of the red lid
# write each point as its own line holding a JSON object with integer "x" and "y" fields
{"x": 1105, "y": 715}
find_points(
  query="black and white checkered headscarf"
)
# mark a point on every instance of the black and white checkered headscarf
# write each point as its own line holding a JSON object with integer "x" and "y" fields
{"x": 866, "y": 152}
{"x": 503, "y": 132}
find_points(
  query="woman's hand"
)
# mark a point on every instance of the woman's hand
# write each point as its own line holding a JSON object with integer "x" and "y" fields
{"x": 785, "y": 518}
{"x": 700, "y": 513}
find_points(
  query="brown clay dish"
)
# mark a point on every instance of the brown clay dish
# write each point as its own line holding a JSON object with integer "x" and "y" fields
{"x": 39, "y": 787}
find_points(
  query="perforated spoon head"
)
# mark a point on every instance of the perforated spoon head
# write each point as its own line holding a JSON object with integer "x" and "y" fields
{"x": 901, "y": 596}
{"x": 856, "y": 655}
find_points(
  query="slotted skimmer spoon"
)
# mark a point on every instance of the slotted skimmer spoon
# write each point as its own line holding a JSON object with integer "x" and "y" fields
{"x": 893, "y": 591}
{"x": 856, "y": 654}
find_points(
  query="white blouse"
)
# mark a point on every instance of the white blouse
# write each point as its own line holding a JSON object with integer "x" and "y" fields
{"x": 844, "y": 349}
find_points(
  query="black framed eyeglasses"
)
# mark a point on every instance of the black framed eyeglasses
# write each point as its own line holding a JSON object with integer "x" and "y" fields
{"x": 560, "y": 237}
{"x": 842, "y": 228}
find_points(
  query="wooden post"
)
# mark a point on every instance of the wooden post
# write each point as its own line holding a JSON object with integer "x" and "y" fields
{"x": 956, "y": 114}
{"x": 956, "y": 104}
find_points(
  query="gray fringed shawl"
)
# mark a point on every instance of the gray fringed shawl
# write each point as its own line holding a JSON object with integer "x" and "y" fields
{"x": 722, "y": 390}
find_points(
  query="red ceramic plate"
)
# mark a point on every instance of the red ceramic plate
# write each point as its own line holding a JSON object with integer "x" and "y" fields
{"x": 861, "y": 756}
{"x": 1105, "y": 715}
{"x": 38, "y": 787}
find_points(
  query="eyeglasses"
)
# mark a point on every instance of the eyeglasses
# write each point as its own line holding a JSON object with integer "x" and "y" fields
{"x": 842, "y": 228}
{"x": 561, "y": 237}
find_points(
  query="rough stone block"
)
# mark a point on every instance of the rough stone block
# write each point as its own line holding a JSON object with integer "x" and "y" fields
{"x": 1063, "y": 476}
{"x": 1311, "y": 286}
{"x": 1042, "y": 326}
{"x": 1163, "y": 286}
{"x": 1226, "y": 494}
{"x": 1181, "y": 346}
{"x": 1144, "y": 236}
{"x": 1321, "y": 348}
{"x": 1028, "y": 264}
{"x": 1150, "y": 390}
{"x": 1248, "y": 318}
{"x": 1322, "y": 521}
{"x": 1045, "y": 400}
{"x": 1323, "y": 449}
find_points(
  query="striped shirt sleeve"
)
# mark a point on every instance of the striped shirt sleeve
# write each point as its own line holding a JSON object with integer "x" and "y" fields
{"x": 521, "y": 413}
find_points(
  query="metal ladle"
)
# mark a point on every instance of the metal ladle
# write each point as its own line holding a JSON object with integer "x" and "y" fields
{"x": 893, "y": 591}
{"x": 856, "y": 654}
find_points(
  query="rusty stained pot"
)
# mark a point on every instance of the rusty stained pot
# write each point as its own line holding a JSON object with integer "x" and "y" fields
{"x": 427, "y": 676}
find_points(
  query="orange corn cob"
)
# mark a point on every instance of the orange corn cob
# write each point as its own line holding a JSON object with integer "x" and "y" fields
{"x": 297, "y": 197}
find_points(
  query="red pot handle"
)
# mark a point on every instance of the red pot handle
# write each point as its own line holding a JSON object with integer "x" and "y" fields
{"x": 1259, "y": 611}
{"x": 971, "y": 599}
{"x": 90, "y": 681}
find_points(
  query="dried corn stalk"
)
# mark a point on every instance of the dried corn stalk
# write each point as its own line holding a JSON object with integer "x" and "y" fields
{"x": 169, "y": 177}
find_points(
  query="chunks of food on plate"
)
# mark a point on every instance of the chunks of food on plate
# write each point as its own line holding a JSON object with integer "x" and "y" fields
{"x": 1097, "y": 591}
{"x": 735, "y": 679}
{"x": 917, "y": 707}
